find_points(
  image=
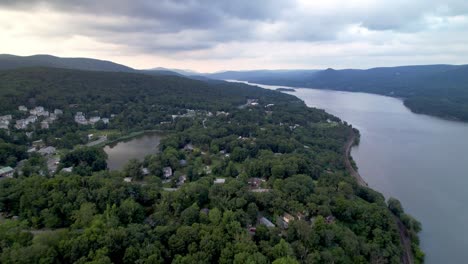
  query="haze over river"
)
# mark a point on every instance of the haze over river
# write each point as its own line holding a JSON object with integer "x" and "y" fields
{"x": 420, "y": 160}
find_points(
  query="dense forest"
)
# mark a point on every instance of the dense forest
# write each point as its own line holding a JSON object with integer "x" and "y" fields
{"x": 256, "y": 177}
{"x": 440, "y": 90}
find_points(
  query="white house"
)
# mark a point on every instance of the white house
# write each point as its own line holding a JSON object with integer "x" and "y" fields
{"x": 219, "y": 181}
{"x": 6, "y": 172}
{"x": 167, "y": 172}
{"x": 94, "y": 119}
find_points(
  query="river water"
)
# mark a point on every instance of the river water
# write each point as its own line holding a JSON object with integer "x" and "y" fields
{"x": 420, "y": 160}
{"x": 135, "y": 148}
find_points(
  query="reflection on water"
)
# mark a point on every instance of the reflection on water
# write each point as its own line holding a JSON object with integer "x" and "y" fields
{"x": 136, "y": 148}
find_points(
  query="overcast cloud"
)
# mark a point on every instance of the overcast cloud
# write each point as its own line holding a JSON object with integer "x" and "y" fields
{"x": 242, "y": 34}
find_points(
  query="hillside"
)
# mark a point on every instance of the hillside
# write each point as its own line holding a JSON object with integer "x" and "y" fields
{"x": 235, "y": 180}
{"x": 440, "y": 90}
{"x": 117, "y": 91}
{"x": 13, "y": 62}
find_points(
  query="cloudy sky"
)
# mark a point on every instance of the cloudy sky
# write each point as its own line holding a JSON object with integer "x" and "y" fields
{"x": 217, "y": 35}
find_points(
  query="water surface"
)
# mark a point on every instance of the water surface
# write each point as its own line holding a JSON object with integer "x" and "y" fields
{"x": 136, "y": 148}
{"x": 419, "y": 159}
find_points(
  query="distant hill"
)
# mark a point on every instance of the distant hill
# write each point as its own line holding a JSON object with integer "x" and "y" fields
{"x": 8, "y": 62}
{"x": 13, "y": 62}
{"x": 265, "y": 76}
{"x": 440, "y": 90}
{"x": 179, "y": 71}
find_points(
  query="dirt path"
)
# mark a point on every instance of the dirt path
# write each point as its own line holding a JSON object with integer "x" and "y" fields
{"x": 349, "y": 166}
{"x": 407, "y": 257}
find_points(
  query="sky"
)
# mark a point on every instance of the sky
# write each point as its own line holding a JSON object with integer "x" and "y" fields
{"x": 209, "y": 36}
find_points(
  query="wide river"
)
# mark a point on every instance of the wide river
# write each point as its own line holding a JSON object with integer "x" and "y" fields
{"x": 421, "y": 160}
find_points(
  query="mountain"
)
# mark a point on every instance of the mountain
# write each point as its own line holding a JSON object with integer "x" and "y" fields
{"x": 12, "y": 62}
{"x": 179, "y": 71}
{"x": 439, "y": 90}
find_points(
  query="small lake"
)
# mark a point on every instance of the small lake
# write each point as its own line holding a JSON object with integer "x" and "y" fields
{"x": 135, "y": 148}
{"x": 419, "y": 159}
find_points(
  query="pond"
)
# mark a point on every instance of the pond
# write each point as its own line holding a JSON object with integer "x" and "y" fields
{"x": 137, "y": 147}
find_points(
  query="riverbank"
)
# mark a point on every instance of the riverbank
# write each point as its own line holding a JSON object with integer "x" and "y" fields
{"x": 407, "y": 257}
{"x": 129, "y": 137}
{"x": 349, "y": 166}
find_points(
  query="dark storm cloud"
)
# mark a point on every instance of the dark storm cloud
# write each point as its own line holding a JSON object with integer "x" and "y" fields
{"x": 151, "y": 23}
{"x": 185, "y": 25}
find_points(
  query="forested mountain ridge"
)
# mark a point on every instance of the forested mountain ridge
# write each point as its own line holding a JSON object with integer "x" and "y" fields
{"x": 440, "y": 90}
{"x": 8, "y": 61}
{"x": 279, "y": 160}
{"x": 11, "y": 62}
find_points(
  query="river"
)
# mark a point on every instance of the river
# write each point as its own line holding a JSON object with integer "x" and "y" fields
{"x": 135, "y": 148}
{"x": 419, "y": 159}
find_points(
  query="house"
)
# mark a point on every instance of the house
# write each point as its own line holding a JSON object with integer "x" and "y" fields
{"x": 31, "y": 150}
{"x": 90, "y": 136}
{"x": 7, "y": 172}
{"x": 38, "y": 143}
{"x": 183, "y": 162}
{"x": 47, "y": 151}
{"x": 58, "y": 112}
{"x": 330, "y": 219}
{"x": 219, "y": 181}
{"x": 38, "y": 110}
{"x": 21, "y": 124}
{"x": 300, "y": 216}
{"x": 43, "y": 113}
{"x": 4, "y": 124}
{"x": 255, "y": 182}
{"x": 105, "y": 120}
{"x": 44, "y": 125}
{"x": 145, "y": 171}
{"x": 285, "y": 220}
{"x": 6, "y": 117}
{"x": 31, "y": 119}
{"x": 181, "y": 180}
{"x": 167, "y": 172}
{"x": 80, "y": 118}
{"x": 69, "y": 169}
{"x": 188, "y": 147}
{"x": 52, "y": 117}
{"x": 269, "y": 105}
{"x": 266, "y": 222}
{"x": 127, "y": 179}
{"x": 22, "y": 108}
{"x": 94, "y": 119}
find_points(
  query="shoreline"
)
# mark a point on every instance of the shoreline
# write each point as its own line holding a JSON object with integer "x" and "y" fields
{"x": 405, "y": 240}
{"x": 128, "y": 137}
{"x": 349, "y": 145}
